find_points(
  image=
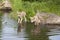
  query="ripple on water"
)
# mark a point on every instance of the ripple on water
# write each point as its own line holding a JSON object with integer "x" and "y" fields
{"x": 54, "y": 34}
{"x": 8, "y": 32}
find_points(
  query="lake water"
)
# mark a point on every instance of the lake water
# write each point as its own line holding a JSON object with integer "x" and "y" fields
{"x": 8, "y": 31}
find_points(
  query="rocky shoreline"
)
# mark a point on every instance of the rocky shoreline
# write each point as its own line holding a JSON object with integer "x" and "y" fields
{"x": 50, "y": 18}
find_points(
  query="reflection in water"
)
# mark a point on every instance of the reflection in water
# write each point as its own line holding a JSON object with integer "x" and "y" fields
{"x": 41, "y": 36}
{"x": 8, "y": 31}
{"x": 54, "y": 33}
{"x": 55, "y": 37}
{"x": 0, "y": 28}
{"x": 48, "y": 32}
{"x": 0, "y": 33}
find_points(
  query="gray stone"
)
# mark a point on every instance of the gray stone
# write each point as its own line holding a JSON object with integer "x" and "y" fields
{"x": 46, "y": 18}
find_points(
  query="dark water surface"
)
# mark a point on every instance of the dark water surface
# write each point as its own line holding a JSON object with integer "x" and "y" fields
{"x": 8, "y": 31}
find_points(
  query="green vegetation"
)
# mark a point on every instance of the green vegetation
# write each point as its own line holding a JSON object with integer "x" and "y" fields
{"x": 31, "y": 6}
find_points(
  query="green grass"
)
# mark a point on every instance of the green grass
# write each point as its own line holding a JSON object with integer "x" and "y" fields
{"x": 31, "y": 7}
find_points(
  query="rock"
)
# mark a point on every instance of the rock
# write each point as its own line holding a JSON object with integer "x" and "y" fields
{"x": 38, "y": 18}
{"x": 6, "y": 3}
{"x": 53, "y": 19}
{"x": 50, "y": 18}
{"x": 35, "y": 20}
{"x": 21, "y": 16}
{"x": 45, "y": 18}
{"x": 6, "y": 6}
